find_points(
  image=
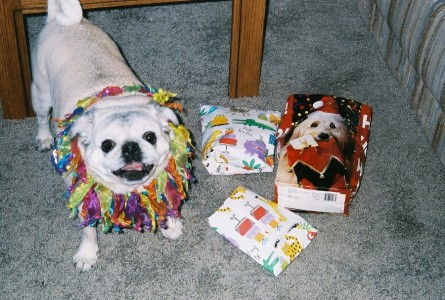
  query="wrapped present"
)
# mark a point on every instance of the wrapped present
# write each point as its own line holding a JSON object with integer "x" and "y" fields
{"x": 321, "y": 144}
{"x": 269, "y": 233}
{"x": 238, "y": 140}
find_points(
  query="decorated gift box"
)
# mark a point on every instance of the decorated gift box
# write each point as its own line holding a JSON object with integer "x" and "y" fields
{"x": 321, "y": 144}
{"x": 238, "y": 140}
{"x": 269, "y": 233}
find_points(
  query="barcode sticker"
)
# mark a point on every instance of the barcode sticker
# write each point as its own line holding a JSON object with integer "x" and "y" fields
{"x": 310, "y": 200}
{"x": 330, "y": 197}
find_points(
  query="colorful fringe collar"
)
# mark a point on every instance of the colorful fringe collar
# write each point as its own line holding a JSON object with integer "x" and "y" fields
{"x": 142, "y": 209}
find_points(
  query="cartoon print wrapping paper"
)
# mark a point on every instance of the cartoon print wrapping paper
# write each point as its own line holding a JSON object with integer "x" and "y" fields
{"x": 269, "y": 233}
{"x": 321, "y": 144}
{"x": 238, "y": 140}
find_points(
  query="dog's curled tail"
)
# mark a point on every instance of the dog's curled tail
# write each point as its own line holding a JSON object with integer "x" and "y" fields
{"x": 66, "y": 12}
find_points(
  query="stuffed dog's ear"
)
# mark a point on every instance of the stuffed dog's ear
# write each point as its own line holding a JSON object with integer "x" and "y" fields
{"x": 83, "y": 128}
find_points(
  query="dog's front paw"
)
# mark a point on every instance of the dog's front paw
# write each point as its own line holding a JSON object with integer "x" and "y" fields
{"x": 174, "y": 229}
{"x": 45, "y": 144}
{"x": 86, "y": 256}
{"x": 44, "y": 139}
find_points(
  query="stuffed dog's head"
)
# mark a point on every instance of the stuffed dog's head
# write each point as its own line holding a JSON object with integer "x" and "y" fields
{"x": 124, "y": 147}
{"x": 323, "y": 126}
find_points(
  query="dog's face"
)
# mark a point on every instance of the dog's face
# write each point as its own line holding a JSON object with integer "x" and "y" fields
{"x": 323, "y": 126}
{"x": 125, "y": 147}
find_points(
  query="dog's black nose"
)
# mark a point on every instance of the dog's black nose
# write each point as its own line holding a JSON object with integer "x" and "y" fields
{"x": 323, "y": 136}
{"x": 131, "y": 152}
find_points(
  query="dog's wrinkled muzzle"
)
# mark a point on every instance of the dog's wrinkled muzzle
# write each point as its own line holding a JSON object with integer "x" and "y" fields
{"x": 134, "y": 171}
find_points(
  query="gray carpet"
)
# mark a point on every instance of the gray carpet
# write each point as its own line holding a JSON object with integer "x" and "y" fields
{"x": 390, "y": 247}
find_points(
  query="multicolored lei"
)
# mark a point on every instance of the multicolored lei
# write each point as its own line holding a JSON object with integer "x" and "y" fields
{"x": 145, "y": 208}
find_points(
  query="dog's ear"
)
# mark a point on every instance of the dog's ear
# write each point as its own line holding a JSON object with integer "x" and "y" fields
{"x": 165, "y": 114}
{"x": 288, "y": 135}
{"x": 83, "y": 128}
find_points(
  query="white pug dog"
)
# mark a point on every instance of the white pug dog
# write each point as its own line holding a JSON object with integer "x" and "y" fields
{"x": 124, "y": 139}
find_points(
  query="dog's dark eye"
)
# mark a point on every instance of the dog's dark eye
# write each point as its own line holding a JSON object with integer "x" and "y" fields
{"x": 107, "y": 146}
{"x": 314, "y": 125}
{"x": 150, "y": 137}
{"x": 332, "y": 125}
